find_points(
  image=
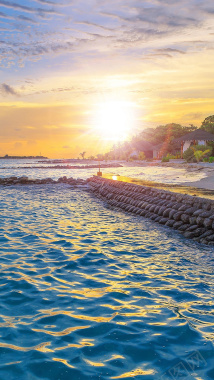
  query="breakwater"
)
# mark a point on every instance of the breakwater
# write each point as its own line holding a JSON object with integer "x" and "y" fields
{"x": 192, "y": 216}
{"x": 189, "y": 215}
{"x": 24, "y": 180}
{"x": 96, "y": 166}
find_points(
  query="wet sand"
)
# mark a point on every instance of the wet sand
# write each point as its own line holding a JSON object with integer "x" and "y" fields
{"x": 203, "y": 187}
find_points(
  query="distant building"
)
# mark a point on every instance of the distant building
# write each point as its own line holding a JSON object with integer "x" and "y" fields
{"x": 141, "y": 146}
{"x": 197, "y": 137}
{"x": 160, "y": 150}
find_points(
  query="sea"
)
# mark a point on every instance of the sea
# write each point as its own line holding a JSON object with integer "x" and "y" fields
{"x": 88, "y": 292}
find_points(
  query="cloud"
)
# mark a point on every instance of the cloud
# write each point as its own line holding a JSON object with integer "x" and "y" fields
{"x": 8, "y": 90}
{"x": 93, "y": 24}
{"x": 28, "y": 19}
{"x": 165, "y": 52}
{"x": 47, "y": 2}
{"x": 170, "y": 50}
{"x": 4, "y": 15}
{"x": 15, "y": 6}
{"x": 136, "y": 29}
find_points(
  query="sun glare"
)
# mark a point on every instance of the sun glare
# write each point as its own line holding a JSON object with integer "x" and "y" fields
{"x": 115, "y": 120}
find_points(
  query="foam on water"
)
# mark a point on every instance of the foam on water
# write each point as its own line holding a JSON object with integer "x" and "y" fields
{"x": 92, "y": 293}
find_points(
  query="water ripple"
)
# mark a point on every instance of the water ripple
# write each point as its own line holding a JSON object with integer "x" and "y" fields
{"x": 88, "y": 292}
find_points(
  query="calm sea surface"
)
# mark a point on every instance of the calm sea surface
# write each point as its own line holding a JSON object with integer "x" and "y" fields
{"x": 87, "y": 292}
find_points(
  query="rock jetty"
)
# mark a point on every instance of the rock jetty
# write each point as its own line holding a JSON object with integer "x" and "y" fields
{"x": 101, "y": 166}
{"x": 9, "y": 181}
{"x": 189, "y": 215}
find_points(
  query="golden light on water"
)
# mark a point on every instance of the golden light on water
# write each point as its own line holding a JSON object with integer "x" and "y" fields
{"x": 136, "y": 372}
{"x": 115, "y": 120}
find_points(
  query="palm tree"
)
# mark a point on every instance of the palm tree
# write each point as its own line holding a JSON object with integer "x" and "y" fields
{"x": 83, "y": 155}
{"x": 199, "y": 154}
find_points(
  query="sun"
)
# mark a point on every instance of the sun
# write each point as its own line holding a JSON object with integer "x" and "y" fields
{"x": 114, "y": 120}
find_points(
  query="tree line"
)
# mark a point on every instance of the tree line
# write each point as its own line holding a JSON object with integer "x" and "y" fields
{"x": 162, "y": 134}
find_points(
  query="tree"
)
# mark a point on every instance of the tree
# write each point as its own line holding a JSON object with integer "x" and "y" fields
{"x": 163, "y": 134}
{"x": 83, "y": 155}
{"x": 208, "y": 125}
{"x": 197, "y": 153}
{"x": 141, "y": 156}
{"x": 100, "y": 157}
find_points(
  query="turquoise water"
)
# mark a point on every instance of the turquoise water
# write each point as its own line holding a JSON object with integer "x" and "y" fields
{"x": 87, "y": 292}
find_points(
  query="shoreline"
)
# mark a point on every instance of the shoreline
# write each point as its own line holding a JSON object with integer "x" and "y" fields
{"x": 194, "y": 186}
{"x": 206, "y": 183}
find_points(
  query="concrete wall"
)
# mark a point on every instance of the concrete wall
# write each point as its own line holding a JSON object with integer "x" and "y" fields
{"x": 191, "y": 216}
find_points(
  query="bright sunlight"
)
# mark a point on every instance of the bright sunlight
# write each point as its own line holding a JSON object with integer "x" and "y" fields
{"x": 115, "y": 120}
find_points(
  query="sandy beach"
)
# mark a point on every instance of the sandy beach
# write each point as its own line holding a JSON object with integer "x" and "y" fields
{"x": 205, "y": 170}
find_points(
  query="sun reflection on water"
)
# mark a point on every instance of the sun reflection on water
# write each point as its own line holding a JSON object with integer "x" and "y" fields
{"x": 105, "y": 293}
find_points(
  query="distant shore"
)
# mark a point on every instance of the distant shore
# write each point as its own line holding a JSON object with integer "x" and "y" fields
{"x": 6, "y": 157}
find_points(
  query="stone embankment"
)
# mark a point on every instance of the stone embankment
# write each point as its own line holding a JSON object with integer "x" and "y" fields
{"x": 96, "y": 166}
{"x": 9, "y": 181}
{"x": 191, "y": 216}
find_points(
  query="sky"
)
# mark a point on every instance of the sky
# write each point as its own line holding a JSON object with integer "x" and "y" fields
{"x": 73, "y": 71}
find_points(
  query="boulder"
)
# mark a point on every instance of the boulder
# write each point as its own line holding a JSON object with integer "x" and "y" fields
{"x": 200, "y": 221}
{"x": 177, "y": 215}
{"x": 169, "y": 223}
{"x": 206, "y": 214}
{"x": 183, "y": 227}
{"x": 177, "y": 206}
{"x": 171, "y": 213}
{"x": 177, "y": 224}
{"x": 198, "y": 212}
{"x": 189, "y": 234}
{"x": 185, "y": 218}
{"x": 192, "y": 220}
{"x": 208, "y": 223}
{"x": 156, "y": 209}
{"x": 166, "y": 212}
{"x": 190, "y": 210}
{"x": 148, "y": 214}
{"x": 163, "y": 220}
{"x": 198, "y": 232}
{"x": 182, "y": 208}
{"x": 152, "y": 208}
{"x": 192, "y": 227}
{"x": 210, "y": 237}
{"x": 161, "y": 211}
